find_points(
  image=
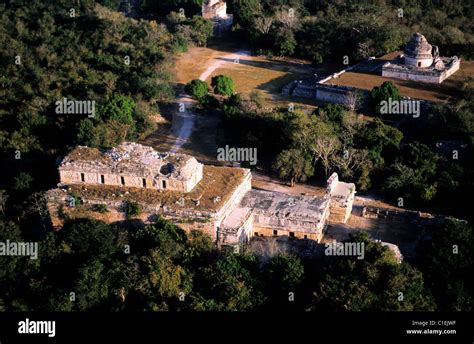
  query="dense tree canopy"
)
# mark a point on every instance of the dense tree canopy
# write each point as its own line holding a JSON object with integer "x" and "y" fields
{"x": 90, "y": 265}
{"x": 327, "y": 31}
{"x": 376, "y": 282}
{"x": 91, "y": 55}
{"x": 446, "y": 260}
{"x": 48, "y": 54}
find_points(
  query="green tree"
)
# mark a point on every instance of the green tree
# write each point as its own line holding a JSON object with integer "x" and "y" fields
{"x": 201, "y": 29}
{"x": 163, "y": 234}
{"x": 91, "y": 287}
{"x": 284, "y": 274}
{"x": 87, "y": 239}
{"x": 383, "y": 93}
{"x": 333, "y": 112}
{"x": 228, "y": 284}
{"x": 87, "y": 133}
{"x": 133, "y": 209}
{"x": 293, "y": 165}
{"x": 285, "y": 43}
{"x": 119, "y": 108}
{"x": 197, "y": 88}
{"x": 373, "y": 283}
{"x": 414, "y": 175}
{"x": 223, "y": 85}
{"x": 380, "y": 139}
{"x": 9, "y": 265}
{"x": 286, "y": 271}
{"x": 22, "y": 181}
{"x": 446, "y": 261}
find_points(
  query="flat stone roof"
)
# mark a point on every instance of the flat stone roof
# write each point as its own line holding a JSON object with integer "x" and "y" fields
{"x": 133, "y": 159}
{"x": 210, "y": 194}
{"x": 236, "y": 218}
{"x": 342, "y": 190}
{"x": 282, "y": 205}
{"x": 399, "y": 65}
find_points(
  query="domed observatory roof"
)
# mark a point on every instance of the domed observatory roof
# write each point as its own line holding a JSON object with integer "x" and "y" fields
{"x": 418, "y": 51}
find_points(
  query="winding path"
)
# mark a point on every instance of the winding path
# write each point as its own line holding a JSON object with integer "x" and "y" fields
{"x": 183, "y": 122}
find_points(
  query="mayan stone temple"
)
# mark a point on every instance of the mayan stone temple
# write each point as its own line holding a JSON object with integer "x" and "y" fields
{"x": 216, "y": 10}
{"x": 421, "y": 62}
{"x": 131, "y": 164}
{"x": 219, "y": 201}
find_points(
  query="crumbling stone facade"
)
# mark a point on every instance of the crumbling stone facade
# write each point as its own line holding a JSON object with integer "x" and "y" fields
{"x": 341, "y": 199}
{"x": 216, "y": 10}
{"x": 218, "y": 201}
{"x": 421, "y": 62}
{"x": 270, "y": 213}
{"x": 131, "y": 164}
{"x": 212, "y": 9}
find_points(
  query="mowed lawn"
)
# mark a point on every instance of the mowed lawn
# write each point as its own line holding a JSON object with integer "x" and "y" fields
{"x": 434, "y": 92}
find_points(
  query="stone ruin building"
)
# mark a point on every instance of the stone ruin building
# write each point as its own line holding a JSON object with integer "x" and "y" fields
{"x": 421, "y": 62}
{"x": 131, "y": 164}
{"x": 219, "y": 201}
{"x": 216, "y": 10}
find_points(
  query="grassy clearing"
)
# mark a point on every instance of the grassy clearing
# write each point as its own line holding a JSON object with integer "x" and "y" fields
{"x": 434, "y": 92}
{"x": 251, "y": 73}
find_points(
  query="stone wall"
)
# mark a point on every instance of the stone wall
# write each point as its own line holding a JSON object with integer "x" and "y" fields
{"x": 236, "y": 235}
{"x": 58, "y": 204}
{"x": 418, "y": 62}
{"x": 303, "y": 91}
{"x": 324, "y": 92}
{"x": 333, "y": 93}
{"x": 235, "y": 199}
{"x": 266, "y": 224}
{"x": 266, "y": 231}
{"x": 206, "y": 221}
{"x": 68, "y": 176}
{"x": 338, "y": 213}
{"x": 232, "y": 223}
{"x": 429, "y": 76}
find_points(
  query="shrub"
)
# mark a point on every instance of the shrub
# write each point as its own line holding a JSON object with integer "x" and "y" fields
{"x": 22, "y": 181}
{"x": 317, "y": 58}
{"x": 197, "y": 88}
{"x": 223, "y": 85}
{"x": 74, "y": 199}
{"x": 133, "y": 209}
{"x": 101, "y": 208}
{"x": 384, "y": 92}
{"x": 209, "y": 101}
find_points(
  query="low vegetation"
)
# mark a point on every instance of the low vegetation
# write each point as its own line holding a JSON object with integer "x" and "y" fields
{"x": 133, "y": 209}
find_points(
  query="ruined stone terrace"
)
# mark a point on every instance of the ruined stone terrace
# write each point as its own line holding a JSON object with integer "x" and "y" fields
{"x": 210, "y": 194}
{"x": 130, "y": 164}
{"x": 278, "y": 210}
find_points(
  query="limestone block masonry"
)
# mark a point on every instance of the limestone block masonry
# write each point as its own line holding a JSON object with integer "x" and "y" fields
{"x": 421, "y": 62}
{"x": 434, "y": 76}
{"x": 216, "y": 10}
{"x": 131, "y": 164}
{"x": 218, "y": 201}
